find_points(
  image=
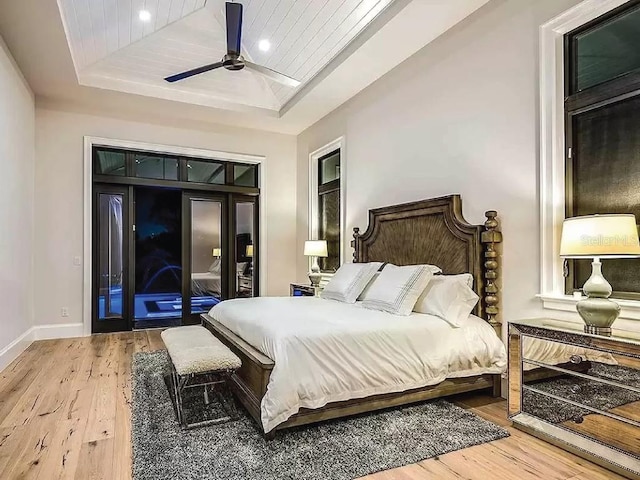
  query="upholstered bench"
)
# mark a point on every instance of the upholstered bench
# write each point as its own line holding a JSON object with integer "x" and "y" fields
{"x": 198, "y": 359}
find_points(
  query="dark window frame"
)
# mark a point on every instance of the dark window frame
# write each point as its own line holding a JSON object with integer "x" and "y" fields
{"x": 130, "y": 178}
{"x": 615, "y": 90}
{"x": 324, "y": 189}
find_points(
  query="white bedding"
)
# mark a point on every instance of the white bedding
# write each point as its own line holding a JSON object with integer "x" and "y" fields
{"x": 207, "y": 283}
{"x": 327, "y": 351}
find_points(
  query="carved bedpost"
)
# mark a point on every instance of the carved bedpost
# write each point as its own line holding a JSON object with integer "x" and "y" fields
{"x": 491, "y": 238}
{"x": 354, "y": 243}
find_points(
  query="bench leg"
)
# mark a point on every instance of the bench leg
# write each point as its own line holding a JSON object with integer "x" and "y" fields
{"x": 177, "y": 389}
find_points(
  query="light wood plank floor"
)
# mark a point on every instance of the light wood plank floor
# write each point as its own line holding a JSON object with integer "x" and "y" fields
{"x": 65, "y": 413}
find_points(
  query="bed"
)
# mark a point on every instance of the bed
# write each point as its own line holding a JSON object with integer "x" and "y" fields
{"x": 427, "y": 232}
{"x": 206, "y": 284}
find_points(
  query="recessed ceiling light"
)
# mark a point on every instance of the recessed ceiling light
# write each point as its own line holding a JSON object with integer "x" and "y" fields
{"x": 145, "y": 15}
{"x": 264, "y": 45}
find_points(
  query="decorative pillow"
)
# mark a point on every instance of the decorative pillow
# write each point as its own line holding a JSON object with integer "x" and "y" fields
{"x": 397, "y": 289}
{"x": 449, "y": 297}
{"x": 467, "y": 278}
{"x": 349, "y": 281}
{"x": 432, "y": 268}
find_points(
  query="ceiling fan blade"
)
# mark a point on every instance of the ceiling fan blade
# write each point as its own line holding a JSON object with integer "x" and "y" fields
{"x": 191, "y": 73}
{"x": 273, "y": 75}
{"x": 234, "y": 28}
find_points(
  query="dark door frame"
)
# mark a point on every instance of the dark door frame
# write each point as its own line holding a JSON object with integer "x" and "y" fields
{"x": 232, "y": 232}
{"x": 187, "y": 197}
{"x": 113, "y": 324}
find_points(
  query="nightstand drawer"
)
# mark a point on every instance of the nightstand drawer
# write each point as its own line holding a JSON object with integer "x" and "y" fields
{"x": 605, "y": 429}
{"x": 598, "y": 386}
{"x": 601, "y": 387}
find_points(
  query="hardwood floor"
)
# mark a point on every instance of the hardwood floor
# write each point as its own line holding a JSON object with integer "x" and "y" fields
{"x": 64, "y": 413}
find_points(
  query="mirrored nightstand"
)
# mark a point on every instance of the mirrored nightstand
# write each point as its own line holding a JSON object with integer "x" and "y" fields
{"x": 592, "y": 411}
{"x": 304, "y": 290}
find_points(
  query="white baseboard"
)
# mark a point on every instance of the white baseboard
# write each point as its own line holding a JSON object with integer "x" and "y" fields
{"x": 64, "y": 330}
{"x": 15, "y": 348}
{"x": 38, "y": 332}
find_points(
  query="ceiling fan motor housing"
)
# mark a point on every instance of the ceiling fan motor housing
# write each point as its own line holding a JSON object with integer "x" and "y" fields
{"x": 233, "y": 62}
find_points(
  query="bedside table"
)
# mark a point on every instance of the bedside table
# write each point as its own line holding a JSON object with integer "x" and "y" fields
{"x": 303, "y": 290}
{"x": 590, "y": 408}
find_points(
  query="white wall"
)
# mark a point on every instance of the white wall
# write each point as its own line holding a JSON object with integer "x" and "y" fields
{"x": 17, "y": 118}
{"x": 59, "y": 194}
{"x": 460, "y": 116}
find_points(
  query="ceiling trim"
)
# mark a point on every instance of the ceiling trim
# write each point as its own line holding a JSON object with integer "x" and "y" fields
{"x": 381, "y": 19}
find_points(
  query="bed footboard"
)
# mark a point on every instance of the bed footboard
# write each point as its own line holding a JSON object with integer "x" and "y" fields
{"x": 249, "y": 383}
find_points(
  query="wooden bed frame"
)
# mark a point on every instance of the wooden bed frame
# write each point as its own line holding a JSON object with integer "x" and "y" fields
{"x": 426, "y": 232}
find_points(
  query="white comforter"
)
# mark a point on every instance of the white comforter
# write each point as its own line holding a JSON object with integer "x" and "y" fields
{"x": 326, "y": 351}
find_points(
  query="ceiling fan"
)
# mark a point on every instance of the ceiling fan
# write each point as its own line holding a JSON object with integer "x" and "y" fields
{"x": 233, "y": 60}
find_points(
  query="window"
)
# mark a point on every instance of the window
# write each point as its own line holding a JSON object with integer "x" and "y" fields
{"x": 602, "y": 133}
{"x": 245, "y": 175}
{"x": 109, "y": 162}
{"x": 206, "y": 172}
{"x": 154, "y": 166}
{"x": 329, "y": 209}
{"x": 140, "y": 167}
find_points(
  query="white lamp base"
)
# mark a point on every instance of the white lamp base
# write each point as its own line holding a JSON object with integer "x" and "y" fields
{"x": 597, "y": 311}
{"x": 314, "y": 275}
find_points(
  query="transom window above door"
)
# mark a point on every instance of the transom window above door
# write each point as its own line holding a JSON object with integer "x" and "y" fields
{"x": 113, "y": 165}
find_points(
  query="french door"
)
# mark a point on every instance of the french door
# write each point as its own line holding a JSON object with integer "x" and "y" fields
{"x": 162, "y": 257}
{"x": 111, "y": 298}
{"x": 204, "y": 253}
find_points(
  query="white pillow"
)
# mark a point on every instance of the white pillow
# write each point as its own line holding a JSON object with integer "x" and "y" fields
{"x": 349, "y": 281}
{"x": 467, "y": 278}
{"x": 432, "y": 268}
{"x": 448, "y": 297}
{"x": 397, "y": 288}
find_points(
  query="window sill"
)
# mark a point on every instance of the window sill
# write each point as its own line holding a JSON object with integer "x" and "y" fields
{"x": 630, "y": 309}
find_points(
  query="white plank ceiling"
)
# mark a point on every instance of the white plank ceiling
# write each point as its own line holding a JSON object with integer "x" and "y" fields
{"x": 112, "y": 48}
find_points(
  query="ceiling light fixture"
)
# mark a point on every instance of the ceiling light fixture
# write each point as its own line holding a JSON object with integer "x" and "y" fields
{"x": 144, "y": 15}
{"x": 264, "y": 45}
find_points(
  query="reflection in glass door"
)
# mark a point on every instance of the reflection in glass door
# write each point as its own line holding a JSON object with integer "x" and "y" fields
{"x": 110, "y": 260}
{"x": 246, "y": 247}
{"x": 206, "y": 254}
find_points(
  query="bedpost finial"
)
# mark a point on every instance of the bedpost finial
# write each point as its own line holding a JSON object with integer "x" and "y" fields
{"x": 491, "y": 223}
{"x": 354, "y": 243}
{"x": 491, "y": 238}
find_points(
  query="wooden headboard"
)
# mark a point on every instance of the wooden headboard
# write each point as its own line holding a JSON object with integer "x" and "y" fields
{"x": 434, "y": 232}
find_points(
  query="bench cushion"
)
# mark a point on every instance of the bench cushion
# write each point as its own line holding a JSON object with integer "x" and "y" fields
{"x": 194, "y": 349}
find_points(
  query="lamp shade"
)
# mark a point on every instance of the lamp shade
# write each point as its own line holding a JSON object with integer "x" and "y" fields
{"x": 217, "y": 252}
{"x": 249, "y": 251}
{"x": 315, "y": 248}
{"x": 612, "y": 236}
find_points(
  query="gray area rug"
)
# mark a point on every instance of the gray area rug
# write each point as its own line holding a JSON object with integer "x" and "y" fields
{"x": 585, "y": 391}
{"x": 336, "y": 450}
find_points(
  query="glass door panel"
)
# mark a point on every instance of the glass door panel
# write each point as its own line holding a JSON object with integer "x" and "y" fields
{"x": 158, "y": 257}
{"x": 110, "y": 296}
{"x": 246, "y": 251}
{"x": 204, "y": 235}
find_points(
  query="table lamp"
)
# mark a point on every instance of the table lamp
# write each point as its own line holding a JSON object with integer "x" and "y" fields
{"x": 249, "y": 254}
{"x": 315, "y": 249}
{"x": 215, "y": 266}
{"x": 596, "y": 237}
